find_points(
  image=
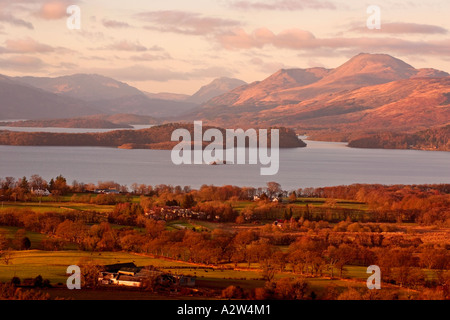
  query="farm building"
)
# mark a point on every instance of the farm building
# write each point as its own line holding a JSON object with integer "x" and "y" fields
{"x": 129, "y": 275}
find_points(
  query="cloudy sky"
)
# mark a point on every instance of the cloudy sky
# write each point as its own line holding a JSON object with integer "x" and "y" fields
{"x": 179, "y": 45}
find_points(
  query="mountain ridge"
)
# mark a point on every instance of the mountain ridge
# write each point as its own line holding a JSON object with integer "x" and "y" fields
{"x": 370, "y": 91}
{"x": 215, "y": 88}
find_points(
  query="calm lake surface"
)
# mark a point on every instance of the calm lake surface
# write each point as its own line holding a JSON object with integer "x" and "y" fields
{"x": 320, "y": 164}
{"x": 69, "y": 130}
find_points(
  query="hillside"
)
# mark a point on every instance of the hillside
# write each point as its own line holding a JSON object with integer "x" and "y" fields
{"x": 168, "y": 96}
{"x": 87, "y": 87}
{"x": 153, "y": 138}
{"x": 216, "y": 88}
{"x": 259, "y": 93}
{"x": 403, "y": 105}
{"x": 110, "y": 96}
{"x": 125, "y": 119}
{"x": 20, "y": 101}
{"x": 142, "y": 105}
{"x": 432, "y": 139}
{"x": 370, "y": 92}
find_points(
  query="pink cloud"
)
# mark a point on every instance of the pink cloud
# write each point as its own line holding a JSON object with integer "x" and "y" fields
{"x": 22, "y": 63}
{"x": 114, "y": 24}
{"x": 285, "y": 5}
{"x": 185, "y": 22}
{"x": 8, "y": 13}
{"x": 404, "y": 28}
{"x": 302, "y": 40}
{"x": 54, "y": 10}
{"x": 126, "y": 45}
{"x": 152, "y": 57}
{"x": 26, "y": 45}
{"x": 239, "y": 39}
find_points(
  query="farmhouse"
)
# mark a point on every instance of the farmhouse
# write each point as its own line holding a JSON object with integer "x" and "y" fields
{"x": 106, "y": 191}
{"x": 127, "y": 281}
{"x": 129, "y": 275}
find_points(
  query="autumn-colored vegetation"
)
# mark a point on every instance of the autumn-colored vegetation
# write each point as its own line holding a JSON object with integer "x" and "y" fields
{"x": 309, "y": 233}
{"x": 152, "y": 138}
{"x": 431, "y": 139}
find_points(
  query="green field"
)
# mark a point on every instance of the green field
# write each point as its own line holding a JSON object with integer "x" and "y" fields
{"x": 35, "y": 238}
{"x": 53, "y": 265}
{"x": 57, "y": 207}
{"x": 182, "y": 224}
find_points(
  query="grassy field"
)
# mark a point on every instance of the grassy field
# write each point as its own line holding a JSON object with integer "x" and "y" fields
{"x": 57, "y": 207}
{"x": 182, "y": 224}
{"x": 65, "y": 204}
{"x": 53, "y": 265}
{"x": 35, "y": 238}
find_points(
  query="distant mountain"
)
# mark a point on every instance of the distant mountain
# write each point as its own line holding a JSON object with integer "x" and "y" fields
{"x": 126, "y": 119}
{"x": 214, "y": 89}
{"x": 85, "y": 123}
{"x": 110, "y": 96}
{"x": 370, "y": 91}
{"x": 409, "y": 104}
{"x": 258, "y": 93}
{"x": 367, "y": 94}
{"x": 142, "y": 105}
{"x": 20, "y": 101}
{"x": 168, "y": 96}
{"x": 88, "y": 87}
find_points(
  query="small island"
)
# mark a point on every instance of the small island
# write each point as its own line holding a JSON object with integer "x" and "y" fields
{"x": 157, "y": 138}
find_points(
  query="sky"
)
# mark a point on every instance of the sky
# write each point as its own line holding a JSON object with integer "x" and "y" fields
{"x": 178, "y": 45}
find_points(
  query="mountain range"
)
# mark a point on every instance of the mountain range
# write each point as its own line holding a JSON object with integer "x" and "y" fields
{"x": 21, "y": 101}
{"x": 89, "y": 94}
{"x": 370, "y": 93}
{"x": 214, "y": 89}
